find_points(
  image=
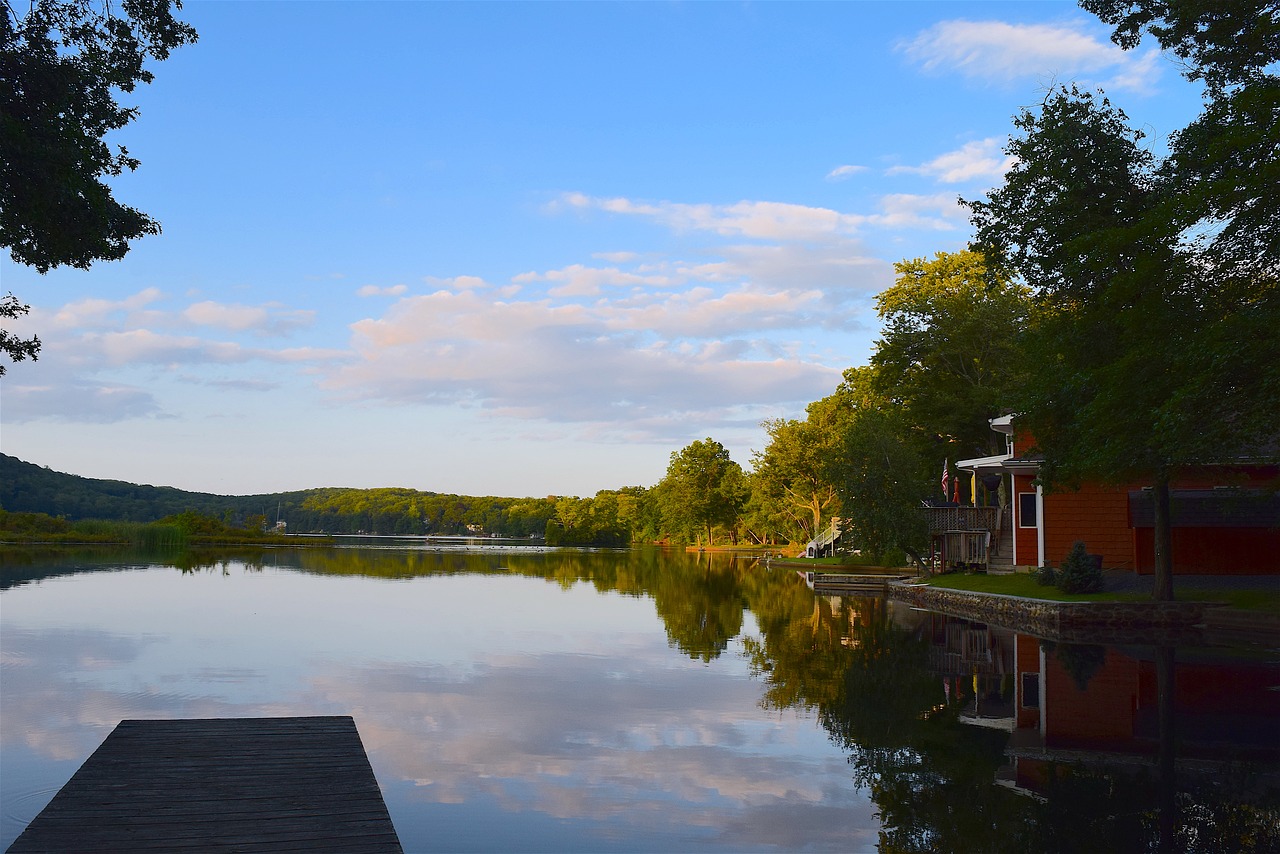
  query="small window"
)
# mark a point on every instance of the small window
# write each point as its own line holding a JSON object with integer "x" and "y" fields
{"x": 1026, "y": 510}
{"x": 1030, "y": 690}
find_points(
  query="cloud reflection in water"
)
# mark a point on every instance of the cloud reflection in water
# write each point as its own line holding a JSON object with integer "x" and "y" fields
{"x": 497, "y": 713}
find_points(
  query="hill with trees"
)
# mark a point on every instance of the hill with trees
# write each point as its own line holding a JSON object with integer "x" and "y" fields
{"x": 29, "y": 488}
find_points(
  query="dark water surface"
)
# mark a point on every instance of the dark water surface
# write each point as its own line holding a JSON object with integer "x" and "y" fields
{"x": 517, "y": 699}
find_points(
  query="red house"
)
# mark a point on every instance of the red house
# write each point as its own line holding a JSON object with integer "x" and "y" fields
{"x": 1226, "y": 518}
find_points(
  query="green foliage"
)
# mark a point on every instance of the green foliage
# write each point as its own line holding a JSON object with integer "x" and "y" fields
{"x": 1224, "y": 44}
{"x": 790, "y": 494}
{"x": 17, "y": 349}
{"x": 41, "y": 528}
{"x": 880, "y": 478}
{"x": 948, "y": 354}
{"x": 1046, "y": 576}
{"x": 63, "y": 63}
{"x": 32, "y": 526}
{"x": 31, "y": 488}
{"x": 1079, "y": 572}
{"x": 703, "y": 490}
{"x": 1081, "y": 661}
{"x": 590, "y": 522}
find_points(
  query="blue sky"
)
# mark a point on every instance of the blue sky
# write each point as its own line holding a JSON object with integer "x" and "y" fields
{"x": 524, "y": 249}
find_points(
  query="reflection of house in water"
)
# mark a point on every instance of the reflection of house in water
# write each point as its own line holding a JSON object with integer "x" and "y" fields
{"x": 1100, "y": 706}
{"x": 975, "y": 662}
{"x": 1092, "y": 704}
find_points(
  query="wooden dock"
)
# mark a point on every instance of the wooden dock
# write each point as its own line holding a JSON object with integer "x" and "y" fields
{"x": 848, "y": 583}
{"x": 233, "y": 784}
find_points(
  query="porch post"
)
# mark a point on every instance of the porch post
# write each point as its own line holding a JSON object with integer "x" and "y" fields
{"x": 1014, "y": 519}
{"x": 1040, "y": 524}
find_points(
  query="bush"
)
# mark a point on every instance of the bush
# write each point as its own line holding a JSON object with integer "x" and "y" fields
{"x": 1045, "y": 576}
{"x": 1079, "y": 572}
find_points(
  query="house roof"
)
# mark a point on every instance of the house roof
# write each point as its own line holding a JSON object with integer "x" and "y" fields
{"x": 977, "y": 464}
{"x": 1003, "y": 424}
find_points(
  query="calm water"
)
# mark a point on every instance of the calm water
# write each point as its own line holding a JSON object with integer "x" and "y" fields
{"x": 523, "y": 700}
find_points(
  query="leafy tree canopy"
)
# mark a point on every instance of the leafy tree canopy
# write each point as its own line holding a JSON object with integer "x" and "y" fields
{"x": 949, "y": 351}
{"x": 11, "y": 345}
{"x": 61, "y": 66}
{"x": 703, "y": 488}
{"x": 791, "y": 472}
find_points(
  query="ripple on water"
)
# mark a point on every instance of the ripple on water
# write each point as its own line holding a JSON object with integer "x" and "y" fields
{"x": 23, "y": 805}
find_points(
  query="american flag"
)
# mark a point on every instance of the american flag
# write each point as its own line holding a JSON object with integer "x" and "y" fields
{"x": 945, "y": 463}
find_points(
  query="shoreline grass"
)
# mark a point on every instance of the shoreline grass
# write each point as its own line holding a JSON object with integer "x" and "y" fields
{"x": 1025, "y": 586}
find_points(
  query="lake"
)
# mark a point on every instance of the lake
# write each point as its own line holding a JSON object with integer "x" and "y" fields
{"x": 513, "y": 698}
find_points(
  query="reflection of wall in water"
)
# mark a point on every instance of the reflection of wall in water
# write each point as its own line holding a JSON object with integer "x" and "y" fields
{"x": 1098, "y": 705}
{"x": 1224, "y": 709}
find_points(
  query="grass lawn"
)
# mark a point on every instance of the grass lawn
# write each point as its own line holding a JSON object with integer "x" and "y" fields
{"x": 1025, "y": 585}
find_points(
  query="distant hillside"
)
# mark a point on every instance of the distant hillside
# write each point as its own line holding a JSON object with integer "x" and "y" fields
{"x": 29, "y": 488}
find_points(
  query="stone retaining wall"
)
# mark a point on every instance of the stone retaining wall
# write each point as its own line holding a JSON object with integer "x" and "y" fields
{"x": 1074, "y": 622}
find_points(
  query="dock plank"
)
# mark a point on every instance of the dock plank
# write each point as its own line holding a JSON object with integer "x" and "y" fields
{"x": 220, "y": 784}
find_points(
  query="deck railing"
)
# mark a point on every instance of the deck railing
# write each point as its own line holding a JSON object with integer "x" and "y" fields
{"x": 942, "y": 519}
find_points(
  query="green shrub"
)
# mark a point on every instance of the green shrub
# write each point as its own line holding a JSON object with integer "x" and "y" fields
{"x": 1045, "y": 576}
{"x": 1079, "y": 572}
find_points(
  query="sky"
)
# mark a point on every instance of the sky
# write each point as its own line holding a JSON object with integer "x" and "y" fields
{"x": 524, "y": 249}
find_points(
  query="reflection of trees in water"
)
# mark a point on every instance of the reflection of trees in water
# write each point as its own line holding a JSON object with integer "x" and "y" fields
{"x": 931, "y": 778}
{"x": 801, "y": 655}
{"x": 701, "y": 607}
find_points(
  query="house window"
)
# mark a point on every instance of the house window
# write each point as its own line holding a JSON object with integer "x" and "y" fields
{"x": 1026, "y": 510}
{"x": 1030, "y": 690}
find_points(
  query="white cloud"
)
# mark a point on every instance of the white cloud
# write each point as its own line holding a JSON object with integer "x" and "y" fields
{"x": 580, "y": 280}
{"x": 779, "y": 222}
{"x": 978, "y": 159}
{"x": 751, "y": 219}
{"x": 840, "y": 173}
{"x": 99, "y": 313}
{"x": 645, "y": 365}
{"x": 999, "y": 51}
{"x": 93, "y": 348}
{"x": 268, "y": 319}
{"x": 616, "y": 257}
{"x": 76, "y": 399}
{"x": 375, "y": 291}
{"x": 939, "y": 211}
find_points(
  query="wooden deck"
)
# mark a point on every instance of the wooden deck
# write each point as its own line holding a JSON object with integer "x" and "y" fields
{"x": 233, "y": 784}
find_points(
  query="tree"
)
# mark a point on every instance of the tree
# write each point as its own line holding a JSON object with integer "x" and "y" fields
{"x": 60, "y": 67}
{"x": 880, "y": 479}
{"x": 1219, "y": 189}
{"x": 949, "y": 350}
{"x": 703, "y": 488}
{"x": 1133, "y": 363}
{"x": 790, "y": 474}
{"x": 11, "y": 345}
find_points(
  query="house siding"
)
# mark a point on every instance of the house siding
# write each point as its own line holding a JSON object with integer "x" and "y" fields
{"x": 1096, "y": 515}
{"x": 1213, "y": 551}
